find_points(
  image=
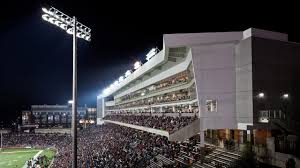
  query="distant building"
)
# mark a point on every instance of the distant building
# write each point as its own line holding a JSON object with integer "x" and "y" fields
{"x": 45, "y": 116}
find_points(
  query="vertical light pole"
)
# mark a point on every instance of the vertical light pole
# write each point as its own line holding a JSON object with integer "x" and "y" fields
{"x": 72, "y": 26}
{"x": 1, "y": 141}
{"x": 74, "y": 93}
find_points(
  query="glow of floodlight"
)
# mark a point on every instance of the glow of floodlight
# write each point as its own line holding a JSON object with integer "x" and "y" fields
{"x": 45, "y": 17}
{"x": 50, "y": 11}
{"x": 106, "y": 91}
{"x": 121, "y": 78}
{"x": 127, "y": 73}
{"x": 70, "y": 101}
{"x": 261, "y": 95}
{"x": 83, "y": 35}
{"x": 111, "y": 86}
{"x": 137, "y": 65}
{"x": 52, "y": 20}
{"x": 285, "y": 96}
{"x": 63, "y": 26}
{"x": 69, "y": 21}
{"x": 88, "y": 38}
{"x": 63, "y": 19}
{"x": 151, "y": 53}
{"x": 79, "y": 35}
{"x": 116, "y": 83}
{"x": 70, "y": 31}
{"x": 45, "y": 10}
{"x": 57, "y": 23}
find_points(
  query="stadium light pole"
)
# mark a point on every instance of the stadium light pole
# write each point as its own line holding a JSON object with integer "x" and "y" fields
{"x": 72, "y": 26}
{"x": 1, "y": 141}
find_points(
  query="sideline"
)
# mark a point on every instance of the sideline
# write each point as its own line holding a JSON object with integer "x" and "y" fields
{"x": 14, "y": 152}
{"x": 34, "y": 157}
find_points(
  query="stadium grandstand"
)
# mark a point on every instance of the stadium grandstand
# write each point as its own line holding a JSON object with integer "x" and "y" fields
{"x": 217, "y": 86}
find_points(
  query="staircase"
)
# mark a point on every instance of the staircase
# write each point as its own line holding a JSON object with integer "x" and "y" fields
{"x": 190, "y": 156}
{"x": 282, "y": 125}
{"x": 218, "y": 157}
{"x": 160, "y": 161}
{"x": 186, "y": 132}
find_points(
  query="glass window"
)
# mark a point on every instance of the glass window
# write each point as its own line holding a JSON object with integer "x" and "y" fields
{"x": 211, "y": 105}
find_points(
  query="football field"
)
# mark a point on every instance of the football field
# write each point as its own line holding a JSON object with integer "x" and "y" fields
{"x": 16, "y": 158}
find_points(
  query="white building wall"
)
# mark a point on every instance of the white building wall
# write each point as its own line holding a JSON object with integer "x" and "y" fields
{"x": 244, "y": 90}
{"x": 214, "y": 67}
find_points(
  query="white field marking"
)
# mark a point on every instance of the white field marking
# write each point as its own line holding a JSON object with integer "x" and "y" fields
{"x": 34, "y": 157}
{"x": 14, "y": 152}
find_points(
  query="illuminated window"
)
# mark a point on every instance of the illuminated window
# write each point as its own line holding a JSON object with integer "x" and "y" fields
{"x": 211, "y": 105}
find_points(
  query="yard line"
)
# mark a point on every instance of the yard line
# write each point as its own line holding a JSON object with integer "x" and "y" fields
{"x": 34, "y": 157}
{"x": 13, "y": 152}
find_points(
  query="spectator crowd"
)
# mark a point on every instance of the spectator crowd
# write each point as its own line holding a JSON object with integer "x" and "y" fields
{"x": 106, "y": 146}
{"x": 168, "y": 123}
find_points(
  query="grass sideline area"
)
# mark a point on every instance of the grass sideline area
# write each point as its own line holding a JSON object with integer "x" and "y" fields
{"x": 16, "y": 157}
{"x": 49, "y": 153}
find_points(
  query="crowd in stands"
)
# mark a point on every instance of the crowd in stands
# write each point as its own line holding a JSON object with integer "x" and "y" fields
{"x": 168, "y": 123}
{"x": 180, "y": 78}
{"x": 180, "y": 95}
{"x": 107, "y": 146}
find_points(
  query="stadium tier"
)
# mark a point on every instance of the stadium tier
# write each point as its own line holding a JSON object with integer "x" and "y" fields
{"x": 227, "y": 87}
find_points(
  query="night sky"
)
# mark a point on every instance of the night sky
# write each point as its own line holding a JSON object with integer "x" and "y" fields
{"x": 36, "y": 57}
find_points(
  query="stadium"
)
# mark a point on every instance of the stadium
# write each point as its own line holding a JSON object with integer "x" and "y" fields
{"x": 201, "y": 101}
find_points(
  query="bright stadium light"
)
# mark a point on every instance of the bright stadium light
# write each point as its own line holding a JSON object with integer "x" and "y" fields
{"x": 116, "y": 83}
{"x": 78, "y": 30}
{"x": 285, "y": 96}
{"x": 151, "y": 53}
{"x": 111, "y": 86}
{"x": 127, "y": 73}
{"x": 70, "y": 101}
{"x": 106, "y": 91}
{"x": 45, "y": 10}
{"x": 137, "y": 65}
{"x": 261, "y": 95}
{"x": 65, "y": 22}
{"x": 121, "y": 78}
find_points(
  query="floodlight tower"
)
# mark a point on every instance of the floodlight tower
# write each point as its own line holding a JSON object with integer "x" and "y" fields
{"x": 71, "y": 26}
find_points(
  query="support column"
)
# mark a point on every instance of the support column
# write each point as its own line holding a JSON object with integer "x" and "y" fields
{"x": 174, "y": 109}
{"x": 227, "y": 133}
{"x": 279, "y": 114}
{"x": 242, "y": 136}
{"x": 202, "y": 140}
{"x": 248, "y": 135}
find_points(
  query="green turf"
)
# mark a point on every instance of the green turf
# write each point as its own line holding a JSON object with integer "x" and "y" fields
{"x": 49, "y": 153}
{"x": 15, "y": 158}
